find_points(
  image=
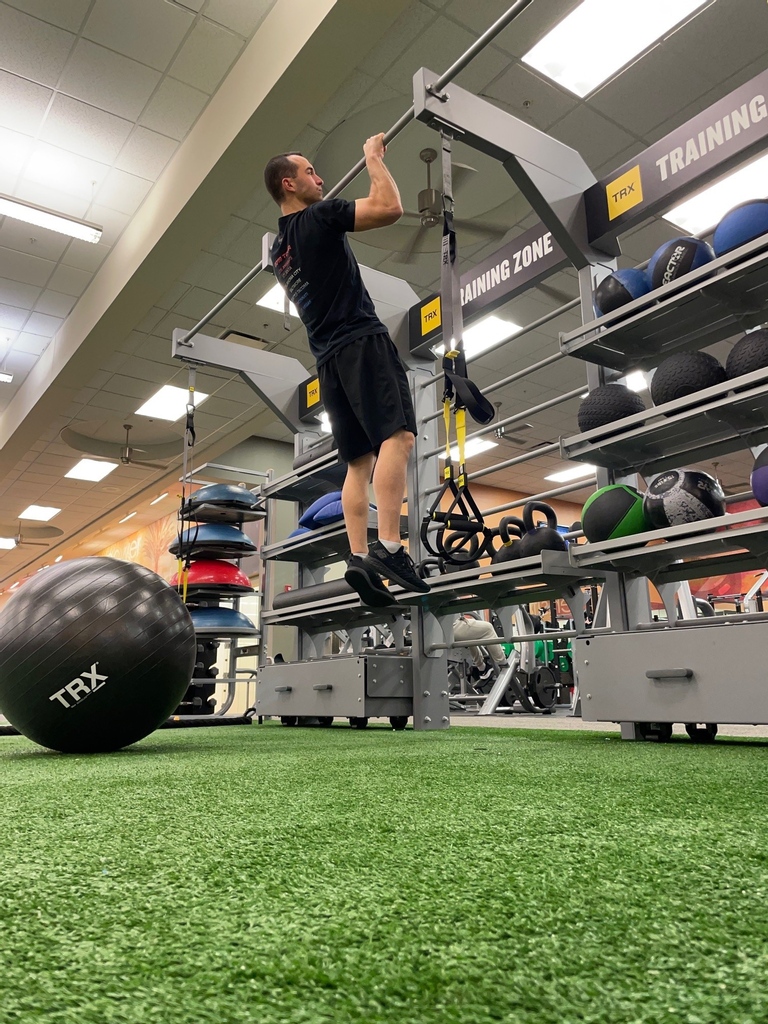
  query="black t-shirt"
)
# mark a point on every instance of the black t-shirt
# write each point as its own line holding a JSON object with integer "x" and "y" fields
{"x": 315, "y": 264}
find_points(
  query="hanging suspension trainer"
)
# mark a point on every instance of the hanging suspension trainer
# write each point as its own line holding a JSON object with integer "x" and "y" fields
{"x": 460, "y": 395}
{"x": 185, "y": 551}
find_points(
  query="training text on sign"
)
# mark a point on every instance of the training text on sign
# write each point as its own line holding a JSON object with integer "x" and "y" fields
{"x": 83, "y": 686}
{"x": 712, "y": 136}
{"x": 521, "y": 259}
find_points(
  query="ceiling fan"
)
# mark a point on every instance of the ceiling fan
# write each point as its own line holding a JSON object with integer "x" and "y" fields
{"x": 512, "y": 433}
{"x": 123, "y": 452}
{"x": 15, "y": 533}
{"x": 430, "y": 208}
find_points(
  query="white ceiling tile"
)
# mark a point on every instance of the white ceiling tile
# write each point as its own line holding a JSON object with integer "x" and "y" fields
{"x": 12, "y": 318}
{"x": 242, "y": 16}
{"x": 148, "y": 31}
{"x": 69, "y": 280}
{"x": 519, "y": 85}
{"x": 172, "y": 296}
{"x": 112, "y": 222}
{"x": 31, "y": 48}
{"x": 34, "y": 344}
{"x": 51, "y": 199}
{"x": 357, "y": 85}
{"x": 108, "y": 80}
{"x": 17, "y": 294}
{"x": 81, "y": 128}
{"x": 20, "y": 362}
{"x": 59, "y": 169}
{"x": 15, "y": 234}
{"x": 145, "y": 153}
{"x": 191, "y": 5}
{"x": 22, "y": 104}
{"x": 123, "y": 192}
{"x": 19, "y": 266}
{"x": 14, "y": 150}
{"x": 206, "y": 56}
{"x": 85, "y": 255}
{"x": 174, "y": 108}
{"x": 411, "y": 23}
{"x": 436, "y": 49}
{"x": 235, "y": 230}
{"x": 41, "y": 323}
{"x": 593, "y": 136}
{"x": 68, "y": 15}
{"x": 55, "y": 303}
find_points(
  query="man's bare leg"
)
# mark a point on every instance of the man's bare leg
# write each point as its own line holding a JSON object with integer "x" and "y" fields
{"x": 389, "y": 483}
{"x": 354, "y": 501}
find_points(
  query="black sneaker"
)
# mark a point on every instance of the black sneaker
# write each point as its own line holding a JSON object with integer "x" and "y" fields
{"x": 367, "y": 584}
{"x": 397, "y": 567}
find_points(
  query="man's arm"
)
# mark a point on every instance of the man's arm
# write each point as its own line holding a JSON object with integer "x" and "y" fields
{"x": 382, "y": 206}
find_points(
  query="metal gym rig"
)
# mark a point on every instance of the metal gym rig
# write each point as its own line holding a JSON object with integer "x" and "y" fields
{"x": 628, "y": 668}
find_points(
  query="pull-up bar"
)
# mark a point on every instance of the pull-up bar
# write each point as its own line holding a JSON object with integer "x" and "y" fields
{"x": 397, "y": 127}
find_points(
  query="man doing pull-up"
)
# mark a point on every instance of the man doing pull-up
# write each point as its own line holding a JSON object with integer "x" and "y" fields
{"x": 363, "y": 384}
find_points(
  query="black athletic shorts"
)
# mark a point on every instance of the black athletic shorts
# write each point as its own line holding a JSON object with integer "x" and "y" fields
{"x": 364, "y": 389}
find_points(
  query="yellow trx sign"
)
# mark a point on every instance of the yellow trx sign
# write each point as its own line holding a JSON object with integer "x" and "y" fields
{"x": 430, "y": 316}
{"x": 313, "y": 392}
{"x": 624, "y": 192}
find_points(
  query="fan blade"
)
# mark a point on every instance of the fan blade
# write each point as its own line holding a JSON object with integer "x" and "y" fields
{"x": 39, "y": 532}
{"x": 406, "y": 256}
{"x": 489, "y": 228}
{"x": 147, "y": 465}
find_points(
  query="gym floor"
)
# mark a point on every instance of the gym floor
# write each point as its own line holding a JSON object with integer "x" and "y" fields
{"x": 256, "y": 875}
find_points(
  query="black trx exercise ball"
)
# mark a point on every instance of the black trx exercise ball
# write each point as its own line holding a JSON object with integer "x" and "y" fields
{"x": 619, "y": 288}
{"x": 676, "y": 258}
{"x": 613, "y": 511}
{"x": 95, "y": 653}
{"x": 740, "y": 225}
{"x": 683, "y": 374}
{"x": 607, "y": 403}
{"x": 748, "y": 354}
{"x": 758, "y": 478}
{"x": 683, "y": 496}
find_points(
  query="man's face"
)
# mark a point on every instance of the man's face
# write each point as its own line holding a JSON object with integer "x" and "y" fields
{"x": 307, "y": 186}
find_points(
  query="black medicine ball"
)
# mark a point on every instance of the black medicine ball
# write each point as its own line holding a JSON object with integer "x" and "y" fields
{"x": 682, "y": 496}
{"x": 748, "y": 354}
{"x": 683, "y": 374}
{"x": 607, "y": 403}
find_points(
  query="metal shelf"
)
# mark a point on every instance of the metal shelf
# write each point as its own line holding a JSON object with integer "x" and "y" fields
{"x": 714, "y": 302}
{"x": 320, "y": 547}
{"x": 697, "y": 428}
{"x": 308, "y": 482}
{"x": 539, "y": 578}
{"x": 727, "y": 544}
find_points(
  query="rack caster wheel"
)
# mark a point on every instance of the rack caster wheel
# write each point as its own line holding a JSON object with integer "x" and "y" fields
{"x": 701, "y": 733}
{"x": 398, "y": 722}
{"x": 325, "y": 721}
{"x": 358, "y": 723}
{"x": 289, "y": 720}
{"x": 660, "y": 732}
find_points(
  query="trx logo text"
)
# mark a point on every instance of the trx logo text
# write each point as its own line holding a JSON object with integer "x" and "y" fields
{"x": 83, "y": 686}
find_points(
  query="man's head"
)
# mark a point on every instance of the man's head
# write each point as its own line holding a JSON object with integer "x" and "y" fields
{"x": 291, "y": 181}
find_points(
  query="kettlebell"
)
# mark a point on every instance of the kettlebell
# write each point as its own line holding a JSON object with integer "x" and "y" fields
{"x": 540, "y": 538}
{"x": 511, "y": 529}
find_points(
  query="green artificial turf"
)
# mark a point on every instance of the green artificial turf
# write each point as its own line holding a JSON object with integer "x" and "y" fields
{"x": 298, "y": 876}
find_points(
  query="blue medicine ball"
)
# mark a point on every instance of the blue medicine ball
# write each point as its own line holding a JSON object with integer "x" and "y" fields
{"x": 619, "y": 288}
{"x": 676, "y": 258}
{"x": 740, "y": 225}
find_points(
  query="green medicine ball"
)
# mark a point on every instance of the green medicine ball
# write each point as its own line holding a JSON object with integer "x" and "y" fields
{"x": 613, "y": 511}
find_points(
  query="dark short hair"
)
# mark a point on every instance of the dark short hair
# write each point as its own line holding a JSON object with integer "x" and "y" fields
{"x": 279, "y": 167}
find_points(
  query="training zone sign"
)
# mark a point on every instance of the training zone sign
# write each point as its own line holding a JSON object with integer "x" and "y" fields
{"x": 703, "y": 148}
{"x": 520, "y": 263}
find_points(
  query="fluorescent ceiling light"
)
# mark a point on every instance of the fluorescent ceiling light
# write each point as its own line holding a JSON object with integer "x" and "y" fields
{"x": 126, "y": 518}
{"x": 43, "y": 218}
{"x": 7, "y": 543}
{"x": 636, "y": 381}
{"x": 325, "y": 422}
{"x": 169, "y": 403}
{"x": 5, "y": 377}
{"x": 473, "y": 447}
{"x": 91, "y": 469}
{"x": 40, "y": 512}
{"x": 58, "y": 558}
{"x": 275, "y": 299}
{"x": 703, "y": 211}
{"x": 159, "y": 498}
{"x": 574, "y": 473}
{"x": 599, "y": 37}
{"x": 482, "y": 335}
